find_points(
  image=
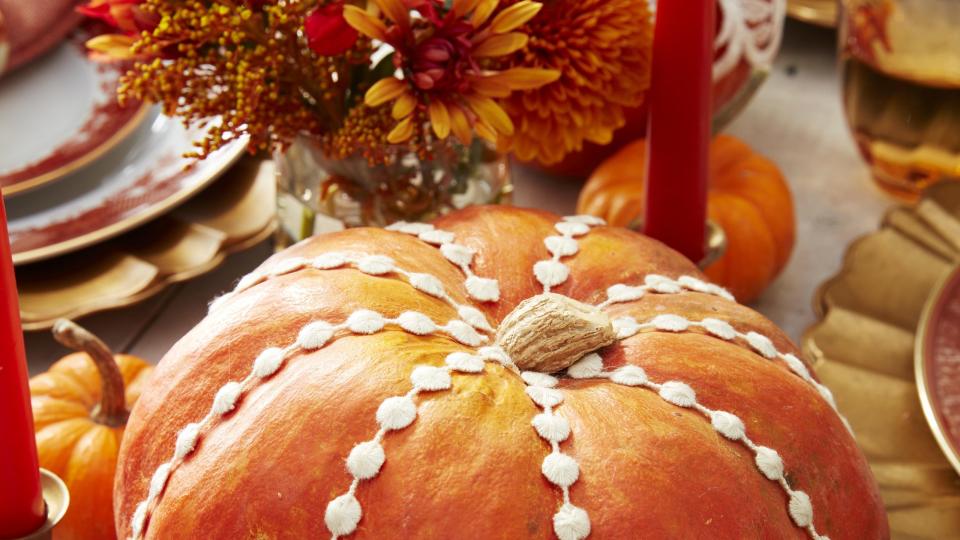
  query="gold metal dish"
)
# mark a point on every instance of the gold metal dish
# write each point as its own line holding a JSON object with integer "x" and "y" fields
{"x": 863, "y": 349}
{"x": 818, "y": 12}
{"x": 234, "y": 213}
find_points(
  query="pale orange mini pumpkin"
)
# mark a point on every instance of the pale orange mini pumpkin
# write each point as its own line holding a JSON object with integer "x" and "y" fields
{"x": 80, "y": 407}
{"x": 501, "y": 374}
{"x": 747, "y": 197}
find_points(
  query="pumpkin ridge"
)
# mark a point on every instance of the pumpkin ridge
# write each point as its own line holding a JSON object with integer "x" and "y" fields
{"x": 729, "y": 426}
{"x": 396, "y": 413}
{"x": 374, "y": 265}
{"x": 627, "y": 327}
{"x": 312, "y": 336}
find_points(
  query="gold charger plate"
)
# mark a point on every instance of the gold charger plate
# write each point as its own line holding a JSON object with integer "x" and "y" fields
{"x": 234, "y": 213}
{"x": 818, "y": 12}
{"x": 863, "y": 349}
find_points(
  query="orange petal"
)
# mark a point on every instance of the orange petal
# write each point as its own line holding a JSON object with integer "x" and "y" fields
{"x": 401, "y": 132}
{"x": 490, "y": 86}
{"x": 485, "y": 132}
{"x": 384, "y": 90}
{"x": 521, "y": 78}
{"x": 439, "y": 119}
{"x": 490, "y": 113}
{"x": 500, "y": 44}
{"x": 364, "y": 23}
{"x": 482, "y": 12}
{"x": 514, "y": 16}
{"x": 404, "y": 105}
{"x": 395, "y": 11}
{"x": 112, "y": 45}
{"x": 460, "y": 125}
{"x": 462, "y": 7}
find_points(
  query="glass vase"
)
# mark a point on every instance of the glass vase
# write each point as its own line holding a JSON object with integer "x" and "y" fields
{"x": 319, "y": 194}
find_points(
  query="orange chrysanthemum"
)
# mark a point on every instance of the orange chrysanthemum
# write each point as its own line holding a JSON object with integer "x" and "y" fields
{"x": 439, "y": 55}
{"x": 602, "y": 49}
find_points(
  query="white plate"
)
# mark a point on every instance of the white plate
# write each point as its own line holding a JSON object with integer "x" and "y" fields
{"x": 141, "y": 178}
{"x": 59, "y": 113}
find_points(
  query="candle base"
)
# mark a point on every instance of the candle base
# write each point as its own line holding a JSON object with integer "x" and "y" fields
{"x": 714, "y": 241}
{"x": 57, "y": 499}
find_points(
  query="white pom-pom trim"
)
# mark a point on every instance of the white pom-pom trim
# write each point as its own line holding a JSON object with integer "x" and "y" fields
{"x": 544, "y": 397}
{"x": 587, "y": 367}
{"x": 769, "y": 462}
{"x": 551, "y": 427}
{"x": 365, "y": 321}
{"x": 483, "y": 289}
{"x": 678, "y": 393}
{"x": 535, "y": 378}
{"x": 728, "y": 425}
{"x": 186, "y": 441}
{"x": 343, "y": 514}
{"x": 568, "y": 228}
{"x": 159, "y": 480}
{"x": 464, "y": 362}
{"x": 560, "y": 469}
{"x": 571, "y": 523}
{"x": 800, "y": 509}
{"x": 561, "y": 246}
{"x": 226, "y": 398}
{"x": 396, "y": 412}
{"x": 365, "y": 460}
{"x": 551, "y": 273}
{"x": 315, "y": 335}
{"x": 267, "y": 362}
{"x": 416, "y": 323}
{"x": 376, "y": 265}
{"x": 430, "y": 378}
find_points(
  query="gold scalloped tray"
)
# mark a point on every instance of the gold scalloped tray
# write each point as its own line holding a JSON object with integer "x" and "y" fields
{"x": 863, "y": 349}
{"x": 234, "y": 213}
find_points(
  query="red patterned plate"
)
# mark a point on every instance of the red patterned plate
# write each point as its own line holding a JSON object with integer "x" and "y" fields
{"x": 938, "y": 365}
{"x": 143, "y": 177}
{"x": 60, "y": 112}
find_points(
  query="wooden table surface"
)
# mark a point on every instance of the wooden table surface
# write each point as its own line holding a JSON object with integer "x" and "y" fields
{"x": 796, "y": 119}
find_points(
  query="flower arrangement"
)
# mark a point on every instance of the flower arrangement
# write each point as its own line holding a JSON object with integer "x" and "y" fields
{"x": 368, "y": 77}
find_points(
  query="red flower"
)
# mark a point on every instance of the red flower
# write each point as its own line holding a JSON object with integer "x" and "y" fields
{"x": 328, "y": 33}
{"x": 125, "y": 15}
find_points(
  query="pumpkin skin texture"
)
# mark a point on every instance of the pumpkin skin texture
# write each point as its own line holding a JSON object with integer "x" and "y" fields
{"x": 469, "y": 465}
{"x": 747, "y": 197}
{"x": 74, "y": 445}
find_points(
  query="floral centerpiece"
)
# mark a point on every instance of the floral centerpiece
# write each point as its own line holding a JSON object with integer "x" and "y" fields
{"x": 399, "y": 102}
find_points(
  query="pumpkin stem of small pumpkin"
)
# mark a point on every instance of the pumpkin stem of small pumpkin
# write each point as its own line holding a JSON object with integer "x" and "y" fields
{"x": 549, "y": 332}
{"x": 112, "y": 410}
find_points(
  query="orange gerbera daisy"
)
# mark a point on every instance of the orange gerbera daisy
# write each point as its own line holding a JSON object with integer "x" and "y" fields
{"x": 602, "y": 49}
{"x": 438, "y": 55}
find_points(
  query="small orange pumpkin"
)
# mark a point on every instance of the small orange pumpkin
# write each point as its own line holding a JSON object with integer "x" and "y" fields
{"x": 747, "y": 196}
{"x": 80, "y": 409}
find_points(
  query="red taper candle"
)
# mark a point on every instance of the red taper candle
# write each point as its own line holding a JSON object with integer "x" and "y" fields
{"x": 21, "y": 501}
{"x": 678, "y": 129}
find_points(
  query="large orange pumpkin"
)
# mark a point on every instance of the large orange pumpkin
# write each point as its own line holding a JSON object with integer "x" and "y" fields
{"x": 747, "y": 196}
{"x": 79, "y": 409}
{"x": 384, "y": 384}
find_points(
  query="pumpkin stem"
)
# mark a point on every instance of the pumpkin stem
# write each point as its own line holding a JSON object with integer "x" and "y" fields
{"x": 112, "y": 410}
{"x": 549, "y": 332}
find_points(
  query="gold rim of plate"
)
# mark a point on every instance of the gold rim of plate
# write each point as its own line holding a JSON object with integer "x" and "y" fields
{"x": 233, "y": 214}
{"x": 931, "y": 412}
{"x": 818, "y": 12}
{"x": 864, "y": 348}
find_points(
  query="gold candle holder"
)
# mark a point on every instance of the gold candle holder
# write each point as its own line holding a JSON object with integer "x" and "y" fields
{"x": 56, "y": 498}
